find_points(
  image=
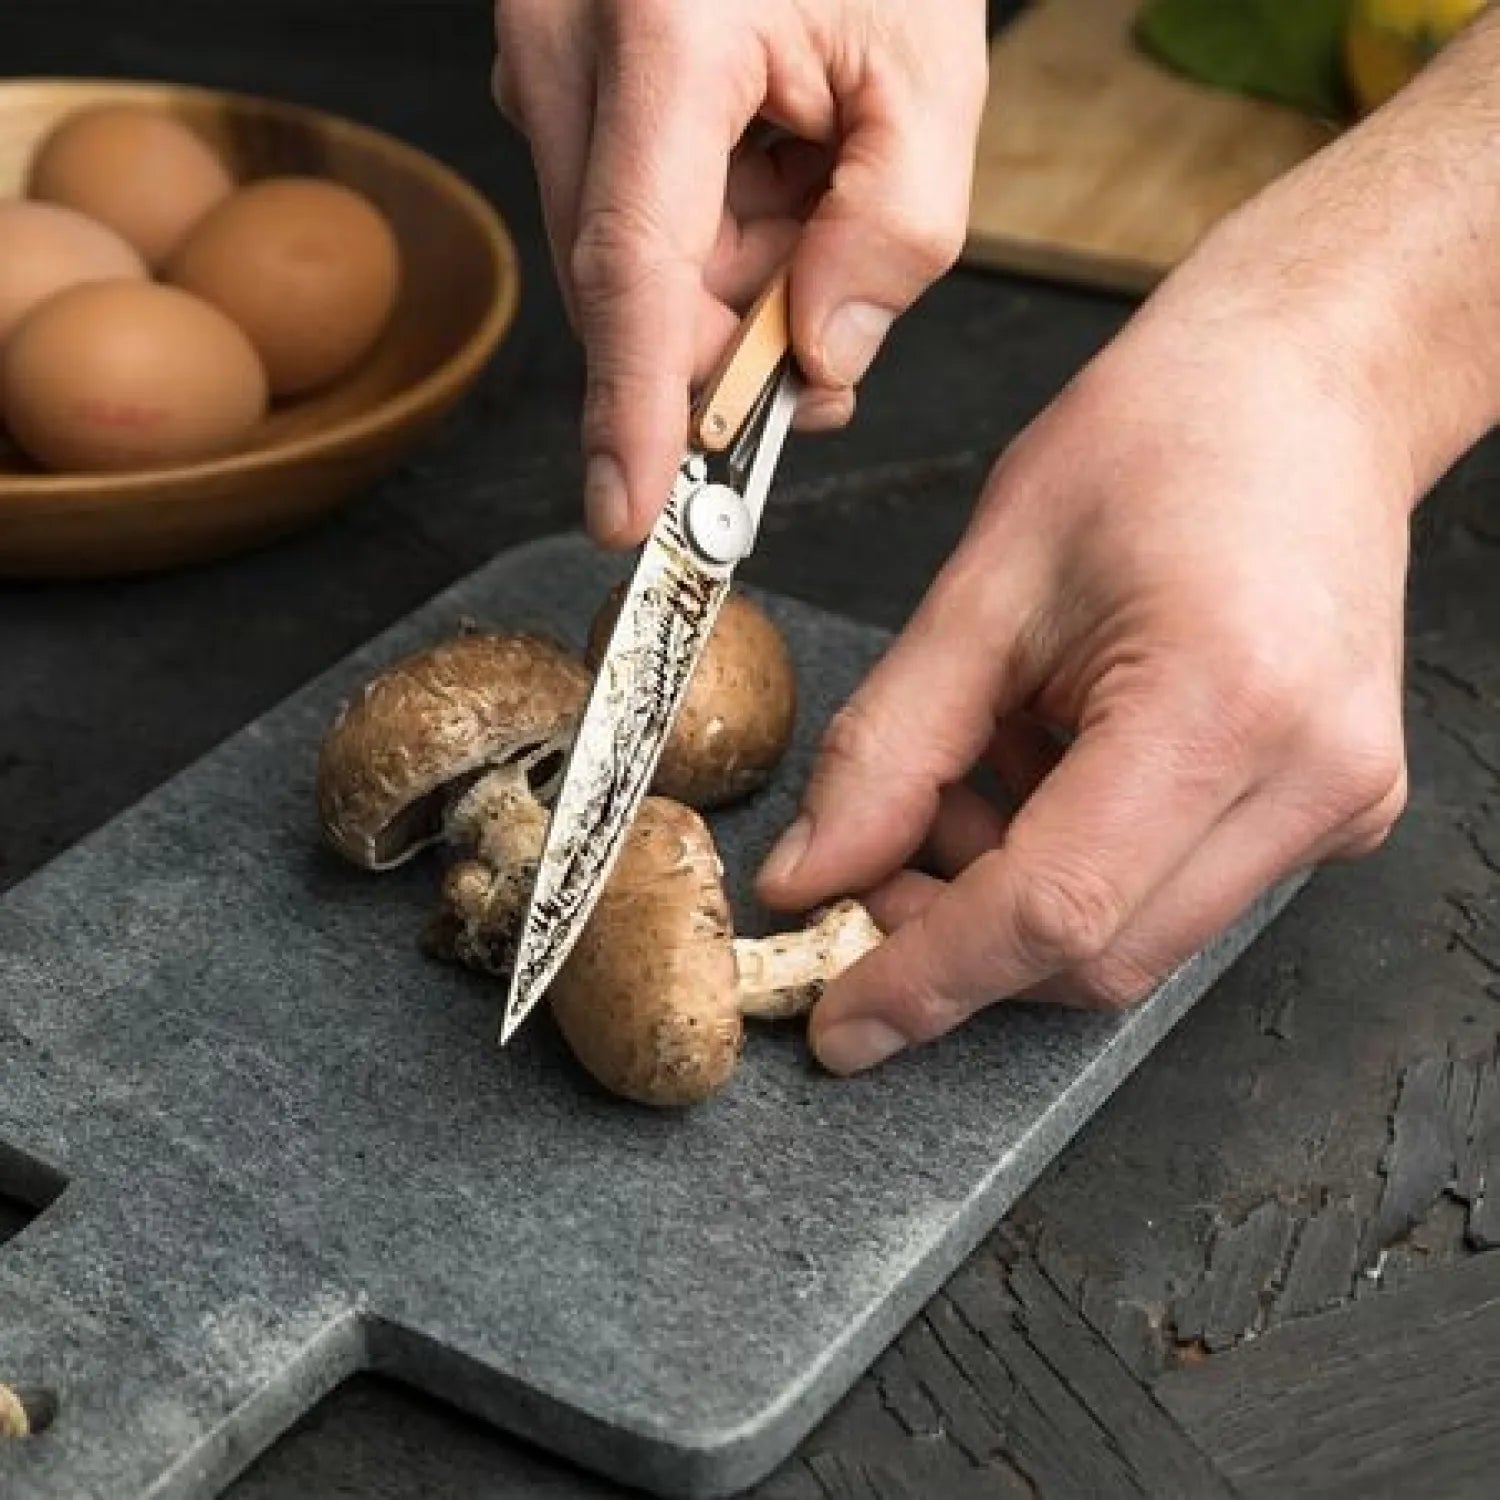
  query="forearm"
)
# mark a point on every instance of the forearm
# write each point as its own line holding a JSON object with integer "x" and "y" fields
{"x": 1381, "y": 255}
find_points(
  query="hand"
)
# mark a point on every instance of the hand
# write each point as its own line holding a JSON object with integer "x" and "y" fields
{"x": 1175, "y": 625}
{"x": 1174, "y": 629}
{"x": 664, "y": 221}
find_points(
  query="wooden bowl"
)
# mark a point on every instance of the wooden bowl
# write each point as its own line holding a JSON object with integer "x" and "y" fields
{"x": 458, "y": 298}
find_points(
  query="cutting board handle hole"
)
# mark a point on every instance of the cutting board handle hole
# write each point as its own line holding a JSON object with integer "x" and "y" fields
{"x": 27, "y": 1188}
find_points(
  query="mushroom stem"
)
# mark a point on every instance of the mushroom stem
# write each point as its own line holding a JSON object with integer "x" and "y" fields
{"x": 499, "y": 819}
{"x": 504, "y": 828}
{"x": 785, "y": 974}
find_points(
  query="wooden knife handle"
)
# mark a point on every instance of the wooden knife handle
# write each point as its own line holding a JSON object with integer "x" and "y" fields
{"x": 743, "y": 374}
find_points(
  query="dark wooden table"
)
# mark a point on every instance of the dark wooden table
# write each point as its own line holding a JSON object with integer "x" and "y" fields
{"x": 1263, "y": 1268}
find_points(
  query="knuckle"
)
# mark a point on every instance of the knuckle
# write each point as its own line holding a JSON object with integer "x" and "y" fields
{"x": 1366, "y": 839}
{"x": 926, "y": 1008}
{"x": 1393, "y": 804}
{"x": 925, "y": 1014}
{"x": 1364, "y": 762}
{"x": 601, "y": 410}
{"x": 504, "y": 92}
{"x": 522, "y": 27}
{"x": 932, "y": 242}
{"x": 855, "y": 738}
{"x": 1261, "y": 697}
{"x": 1370, "y": 830}
{"x": 618, "y": 382}
{"x": 1065, "y": 919}
{"x": 612, "y": 253}
{"x": 1113, "y": 982}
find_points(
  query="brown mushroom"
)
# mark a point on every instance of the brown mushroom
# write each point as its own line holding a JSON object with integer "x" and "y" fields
{"x": 737, "y": 719}
{"x": 465, "y": 742}
{"x": 25, "y": 1411}
{"x": 460, "y": 725}
{"x": 653, "y": 997}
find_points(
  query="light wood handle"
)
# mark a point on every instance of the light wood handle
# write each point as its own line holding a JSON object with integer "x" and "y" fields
{"x": 759, "y": 346}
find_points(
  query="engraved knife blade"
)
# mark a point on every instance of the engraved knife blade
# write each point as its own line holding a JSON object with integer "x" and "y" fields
{"x": 665, "y": 620}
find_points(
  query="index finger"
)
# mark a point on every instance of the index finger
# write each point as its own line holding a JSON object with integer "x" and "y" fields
{"x": 649, "y": 215}
{"x": 1123, "y": 810}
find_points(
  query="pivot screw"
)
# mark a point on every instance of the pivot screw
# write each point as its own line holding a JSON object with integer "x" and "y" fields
{"x": 718, "y": 525}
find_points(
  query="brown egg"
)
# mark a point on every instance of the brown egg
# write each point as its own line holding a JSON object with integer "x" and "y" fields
{"x": 45, "y": 249}
{"x": 128, "y": 375}
{"x": 308, "y": 268}
{"x": 145, "y": 174}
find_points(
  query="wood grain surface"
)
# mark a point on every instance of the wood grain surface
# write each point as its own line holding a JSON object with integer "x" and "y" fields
{"x": 1098, "y": 166}
{"x": 1394, "y": 1396}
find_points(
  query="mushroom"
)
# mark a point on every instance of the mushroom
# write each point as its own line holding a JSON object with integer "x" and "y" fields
{"x": 736, "y": 721}
{"x": 653, "y": 997}
{"x": 25, "y": 1411}
{"x": 442, "y": 739}
{"x": 465, "y": 743}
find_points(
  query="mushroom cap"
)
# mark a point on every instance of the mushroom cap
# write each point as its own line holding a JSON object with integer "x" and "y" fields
{"x": 741, "y": 706}
{"x": 647, "y": 998}
{"x": 439, "y": 717}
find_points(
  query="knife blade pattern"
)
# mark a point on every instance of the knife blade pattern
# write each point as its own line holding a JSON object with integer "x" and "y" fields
{"x": 663, "y": 627}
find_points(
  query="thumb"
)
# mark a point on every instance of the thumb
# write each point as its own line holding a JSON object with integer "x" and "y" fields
{"x": 917, "y": 724}
{"x": 892, "y": 222}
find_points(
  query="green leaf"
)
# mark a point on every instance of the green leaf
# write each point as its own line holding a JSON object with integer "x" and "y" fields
{"x": 1286, "y": 50}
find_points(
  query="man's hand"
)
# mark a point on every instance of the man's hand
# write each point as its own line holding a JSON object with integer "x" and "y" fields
{"x": 1175, "y": 625}
{"x": 1189, "y": 574}
{"x": 665, "y": 221}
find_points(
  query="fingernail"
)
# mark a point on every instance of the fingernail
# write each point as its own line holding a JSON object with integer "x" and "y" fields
{"x": 850, "y": 338}
{"x": 781, "y": 863}
{"x": 604, "y": 498}
{"x": 854, "y": 1046}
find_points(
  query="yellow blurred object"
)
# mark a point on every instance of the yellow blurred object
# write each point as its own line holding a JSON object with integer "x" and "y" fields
{"x": 1388, "y": 42}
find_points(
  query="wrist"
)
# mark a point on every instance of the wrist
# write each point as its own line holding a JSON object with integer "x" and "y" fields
{"x": 1377, "y": 260}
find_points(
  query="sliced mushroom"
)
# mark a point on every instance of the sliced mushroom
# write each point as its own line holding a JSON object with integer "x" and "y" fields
{"x": 737, "y": 720}
{"x": 483, "y": 706}
{"x": 653, "y": 997}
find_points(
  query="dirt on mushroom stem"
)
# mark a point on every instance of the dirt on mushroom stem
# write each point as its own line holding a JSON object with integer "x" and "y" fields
{"x": 653, "y": 997}
{"x": 501, "y": 827}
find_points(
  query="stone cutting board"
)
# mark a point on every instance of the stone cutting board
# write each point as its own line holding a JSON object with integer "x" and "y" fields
{"x": 283, "y": 1146}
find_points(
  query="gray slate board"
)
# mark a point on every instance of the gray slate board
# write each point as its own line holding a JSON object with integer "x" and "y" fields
{"x": 293, "y": 1151}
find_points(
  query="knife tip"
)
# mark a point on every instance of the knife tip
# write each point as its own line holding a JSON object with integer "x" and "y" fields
{"x": 510, "y": 1022}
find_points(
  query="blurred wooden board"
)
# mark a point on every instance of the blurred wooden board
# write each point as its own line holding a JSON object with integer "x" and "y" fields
{"x": 1097, "y": 165}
